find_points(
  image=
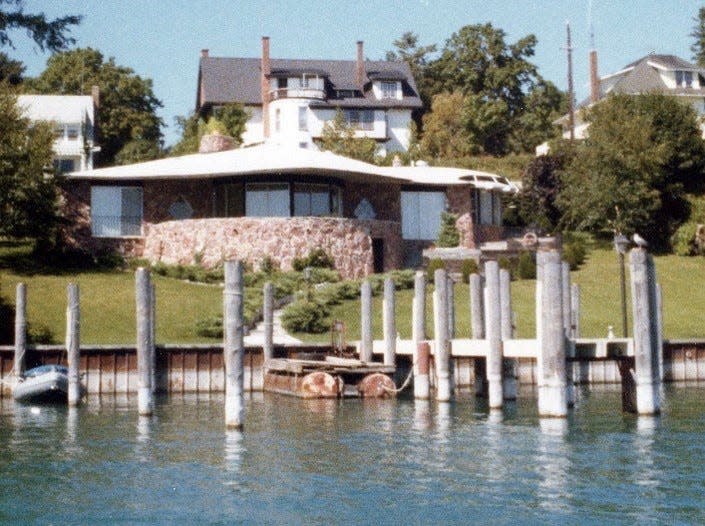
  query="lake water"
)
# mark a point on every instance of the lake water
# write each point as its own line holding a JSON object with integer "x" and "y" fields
{"x": 353, "y": 462}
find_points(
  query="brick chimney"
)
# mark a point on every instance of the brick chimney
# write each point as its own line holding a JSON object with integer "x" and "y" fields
{"x": 266, "y": 70}
{"x": 594, "y": 78}
{"x": 95, "y": 95}
{"x": 204, "y": 53}
{"x": 360, "y": 65}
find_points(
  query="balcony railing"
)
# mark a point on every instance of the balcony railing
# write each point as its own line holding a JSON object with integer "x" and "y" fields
{"x": 297, "y": 93}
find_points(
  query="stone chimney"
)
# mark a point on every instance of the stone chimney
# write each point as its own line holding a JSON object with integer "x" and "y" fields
{"x": 360, "y": 65}
{"x": 594, "y": 78}
{"x": 95, "y": 95}
{"x": 266, "y": 68}
{"x": 214, "y": 142}
{"x": 204, "y": 53}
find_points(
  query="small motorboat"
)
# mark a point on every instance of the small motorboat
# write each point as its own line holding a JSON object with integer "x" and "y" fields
{"x": 46, "y": 383}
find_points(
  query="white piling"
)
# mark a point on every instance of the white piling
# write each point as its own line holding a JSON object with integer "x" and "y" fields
{"x": 422, "y": 384}
{"x": 510, "y": 383}
{"x": 552, "y": 383}
{"x": 143, "y": 293}
{"x": 73, "y": 343}
{"x": 575, "y": 311}
{"x": 389, "y": 323}
{"x": 366, "y": 322}
{"x": 418, "y": 307}
{"x": 153, "y": 336}
{"x": 233, "y": 345}
{"x": 644, "y": 304}
{"x": 450, "y": 294}
{"x": 477, "y": 321}
{"x": 659, "y": 324}
{"x": 441, "y": 347}
{"x": 268, "y": 321}
{"x": 493, "y": 324}
{"x": 569, "y": 347}
{"x": 20, "y": 329}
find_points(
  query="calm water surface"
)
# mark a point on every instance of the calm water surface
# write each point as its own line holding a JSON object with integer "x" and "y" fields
{"x": 353, "y": 462}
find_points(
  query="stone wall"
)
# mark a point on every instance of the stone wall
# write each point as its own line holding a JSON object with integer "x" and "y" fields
{"x": 460, "y": 203}
{"x": 212, "y": 241}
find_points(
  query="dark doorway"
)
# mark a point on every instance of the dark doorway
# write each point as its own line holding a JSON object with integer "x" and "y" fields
{"x": 378, "y": 255}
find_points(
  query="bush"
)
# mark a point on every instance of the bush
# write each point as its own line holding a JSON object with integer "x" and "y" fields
{"x": 267, "y": 265}
{"x": 526, "y": 266}
{"x": 683, "y": 240}
{"x": 574, "y": 254}
{"x": 468, "y": 267}
{"x": 506, "y": 263}
{"x": 403, "y": 279}
{"x": 317, "y": 258}
{"x": 448, "y": 237}
{"x": 306, "y": 316}
{"x": 434, "y": 265}
{"x": 211, "y": 327}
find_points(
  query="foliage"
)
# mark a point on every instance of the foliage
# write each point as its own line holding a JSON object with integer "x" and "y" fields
{"x": 408, "y": 50}
{"x": 11, "y": 71}
{"x": 526, "y": 265}
{"x": 684, "y": 240}
{"x": 540, "y": 188}
{"x": 468, "y": 266}
{"x": 444, "y": 133}
{"x": 306, "y": 316}
{"x": 434, "y": 265}
{"x": 7, "y": 322}
{"x": 318, "y": 258}
{"x": 698, "y": 34}
{"x": 233, "y": 118}
{"x": 190, "y": 135}
{"x": 28, "y": 195}
{"x": 448, "y": 236}
{"x": 574, "y": 254}
{"x": 138, "y": 150}
{"x": 128, "y": 106}
{"x": 48, "y": 35}
{"x": 339, "y": 137}
{"x": 630, "y": 173}
{"x": 210, "y": 327}
{"x": 507, "y": 263}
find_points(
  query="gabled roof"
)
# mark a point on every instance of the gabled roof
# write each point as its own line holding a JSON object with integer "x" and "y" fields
{"x": 73, "y": 109}
{"x": 670, "y": 62}
{"x": 222, "y": 80}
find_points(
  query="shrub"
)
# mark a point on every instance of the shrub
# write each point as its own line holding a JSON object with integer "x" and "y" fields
{"x": 324, "y": 275}
{"x": 317, "y": 258}
{"x": 574, "y": 254}
{"x": 507, "y": 264}
{"x": 469, "y": 266}
{"x": 306, "y": 316}
{"x": 403, "y": 279}
{"x": 434, "y": 265}
{"x": 526, "y": 266}
{"x": 448, "y": 236}
{"x": 267, "y": 265}
{"x": 211, "y": 327}
{"x": 683, "y": 240}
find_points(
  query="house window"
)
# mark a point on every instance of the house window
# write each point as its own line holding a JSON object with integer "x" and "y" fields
{"x": 389, "y": 90}
{"x": 282, "y": 83}
{"x": 116, "y": 211}
{"x": 72, "y": 133}
{"x": 277, "y": 120}
{"x": 267, "y": 200}
{"x": 421, "y": 214}
{"x": 303, "y": 118}
{"x": 486, "y": 208}
{"x": 316, "y": 200}
{"x": 228, "y": 200}
{"x": 684, "y": 79}
{"x": 64, "y": 165}
{"x": 360, "y": 119}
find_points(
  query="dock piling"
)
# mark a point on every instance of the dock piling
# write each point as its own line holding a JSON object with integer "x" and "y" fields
{"x": 153, "y": 335}
{"x": 477, "y": 321}
{"x": 20, "y": 329}
{"x": 366, "y": 321}
{"x": 569, "y": 347}
{"x": 509, "y": 365}
{"x": 493, "y": 334}
{"x": 575, "y": 311}
{"x": 73, "y": 343}
{"x": 268, "y": 321}
{"x": 233, "y": 346}
{"x": 389, "y": 323}
{"x": 143, "y": 296}
{"x": 422, "y": 384}
{"x": 441, "y": 350}
{"x": 451, "y": 307}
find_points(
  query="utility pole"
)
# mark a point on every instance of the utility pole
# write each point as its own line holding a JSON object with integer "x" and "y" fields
{"x": 571, "y": 95}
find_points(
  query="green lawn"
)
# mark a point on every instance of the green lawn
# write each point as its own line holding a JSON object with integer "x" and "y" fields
{"x": 108, "y": 304}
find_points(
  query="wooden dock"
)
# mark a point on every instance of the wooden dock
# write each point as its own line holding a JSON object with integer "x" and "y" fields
{"x": 331, "y": 377}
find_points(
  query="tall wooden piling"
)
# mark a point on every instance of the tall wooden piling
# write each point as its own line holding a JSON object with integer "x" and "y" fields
{"x": 268, "y": 321}
{"x": 20, "y": 329}
{"x": 73, "y": 343}
{"x": 644, "y": 304}
{"x": 575, "y": 311}
{"x": 422, "y": 384}
{"x": 153, "y": 335}
{"x": 143, "y": 294}
{"x": 441, "y": 347}
{"x": 418, "y": 307}
{"x": 389, "y": 322}
{"x": 493, "y": 324}
{"x": 450, "y": 288}
{"x": 551, "y": 335}
{"x": 418, "y": 335}
{"x": 569, "y": 347}
{"x": 233, "y": 346}
{"x": 510, "y": 366}
{"x": 477, "y": 321}
{"x": 366, "y": 321}
{"x": 659, "y": 325}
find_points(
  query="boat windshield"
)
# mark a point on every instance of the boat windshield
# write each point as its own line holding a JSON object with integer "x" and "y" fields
{"x": 44, "y": 369}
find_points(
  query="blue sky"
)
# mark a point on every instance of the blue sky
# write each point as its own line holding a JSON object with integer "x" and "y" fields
{"x": 162, "y": 39}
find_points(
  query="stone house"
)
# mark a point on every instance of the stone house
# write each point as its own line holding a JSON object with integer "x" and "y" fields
{"x": 290, "y": 100}
{"x": 279, "y": 202}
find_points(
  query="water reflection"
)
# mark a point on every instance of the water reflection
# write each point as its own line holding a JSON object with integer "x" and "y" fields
{"x": 233, "y": 450}
{"x": 553, "y": 464}
{"x": 422, "y": 416}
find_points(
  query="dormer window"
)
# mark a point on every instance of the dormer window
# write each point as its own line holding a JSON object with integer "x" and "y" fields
{"x": 389, "y": 89}
{"x": 684, "y": 79}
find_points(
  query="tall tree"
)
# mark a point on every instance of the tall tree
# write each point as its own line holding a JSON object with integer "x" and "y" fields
{"x": 51, "y": 35}
{"x": 444, "y": 131}
{"x": 698, "y": 47}
{"x": 229, "y": 119}
{"x": 630, "y": 174}
{"x": 11, "y": 71}
{"x": 128, "y": 106}
{"x": 407, "y": 49}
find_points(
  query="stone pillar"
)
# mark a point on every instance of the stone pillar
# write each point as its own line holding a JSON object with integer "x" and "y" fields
{"x": 477, "y": 321}
{"x": 569, "y": 346}
{"x": 366, "y": 322}
{"x": 644, "y": 304}
{"x": 233, "y": 345}
{"x": 493, "y": 324}
{"x": 73, "y": 345}
{"x": 20, "y": 329}
{"x": 143, "y": 294}
{"x": 552, "y": 382}
{"x": 441, "y": 352}
{"x": 510, "y": 367}
{"x": 268, "y": 321}
{"x": 389, "y": 322}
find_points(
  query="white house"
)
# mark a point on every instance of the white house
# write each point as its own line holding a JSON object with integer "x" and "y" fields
{"x": 289, "y": 101}
{"x": 74, "y": 120}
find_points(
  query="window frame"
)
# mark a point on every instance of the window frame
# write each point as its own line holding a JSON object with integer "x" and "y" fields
{"x": 99, "y": 230}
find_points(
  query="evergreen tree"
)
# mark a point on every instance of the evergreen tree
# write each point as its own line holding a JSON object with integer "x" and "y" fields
{"x": 49, "y": 35}
{"x": 698, "y": 47}
{"x": 448, "y": 237}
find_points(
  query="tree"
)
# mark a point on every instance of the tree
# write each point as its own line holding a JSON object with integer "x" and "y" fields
{"x": 630, "y": 174}
{"x": 698, "y": 47}
{"x": 128, "y": 106}
{"x": 408, "y": 50}
{"x": 28, "y": 197}
{"x": 339, "y": 137}
{"x": 540, "y": 188}
{"x": 47, "y": 34}
{"x": 448, "y": 237}
{"x": 229, "y": 119}
{"x": 11, "y": 71}
{"x": 444, "y": 132}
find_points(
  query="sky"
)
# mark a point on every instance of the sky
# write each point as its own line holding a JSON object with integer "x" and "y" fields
{"x": 162, "y": 39}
